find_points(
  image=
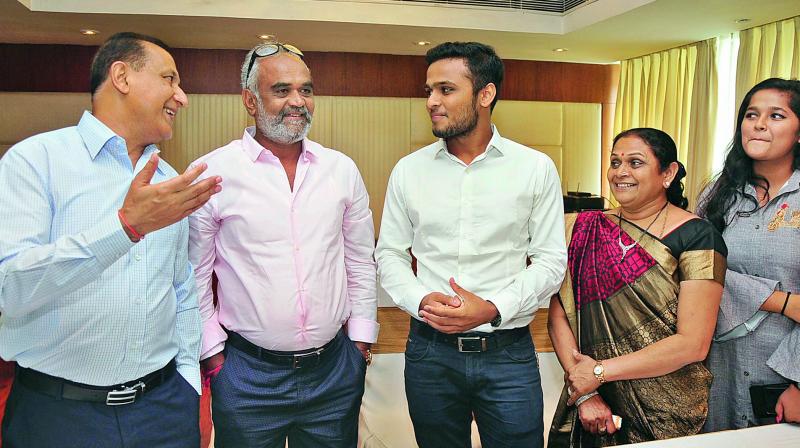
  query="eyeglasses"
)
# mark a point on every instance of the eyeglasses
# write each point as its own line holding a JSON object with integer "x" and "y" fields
{"x": 268, "y": 50}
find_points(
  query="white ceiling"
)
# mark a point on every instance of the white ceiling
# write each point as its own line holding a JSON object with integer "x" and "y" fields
{"x": 601, "y": 31}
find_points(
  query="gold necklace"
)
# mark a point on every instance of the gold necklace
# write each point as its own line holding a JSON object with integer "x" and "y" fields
{"x": 627, "y": 247}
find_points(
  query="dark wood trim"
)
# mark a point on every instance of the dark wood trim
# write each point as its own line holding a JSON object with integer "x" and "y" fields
{"x": 65, "y": 68}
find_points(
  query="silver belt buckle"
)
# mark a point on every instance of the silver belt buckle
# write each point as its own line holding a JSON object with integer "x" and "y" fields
{"x": 298, "y": 361}
{"x": 124, "y": 396}
{"x": 471, "y": 344}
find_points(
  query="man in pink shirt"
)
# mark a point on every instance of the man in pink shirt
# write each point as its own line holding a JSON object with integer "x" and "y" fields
{"x": 291, "y": 241}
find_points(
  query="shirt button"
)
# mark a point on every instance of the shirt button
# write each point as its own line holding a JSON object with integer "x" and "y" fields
{"x": 758, "y": 226}
{"x": 296, "y": 249}
{"x": 746, "y": 373}
{"x": 744, "y": 417}
{"x": 138, "y": 258}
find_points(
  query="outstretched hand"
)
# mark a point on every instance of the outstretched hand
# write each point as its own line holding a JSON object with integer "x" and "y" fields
{"x": 149, "y": 207}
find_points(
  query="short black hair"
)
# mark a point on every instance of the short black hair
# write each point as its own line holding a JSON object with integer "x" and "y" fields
{"x": 126, "y": 47}
{"x": 482, "y": 61}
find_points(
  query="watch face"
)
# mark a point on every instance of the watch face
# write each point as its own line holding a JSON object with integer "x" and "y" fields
{"x": 598, "y": 369}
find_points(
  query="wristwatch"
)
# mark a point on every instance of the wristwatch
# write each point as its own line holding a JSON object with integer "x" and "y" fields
{"x": 598, "y": 372}
{"x": 497, "y": 319}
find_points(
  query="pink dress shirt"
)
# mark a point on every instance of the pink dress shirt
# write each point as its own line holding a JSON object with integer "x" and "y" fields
{"x": 293, "y": 266}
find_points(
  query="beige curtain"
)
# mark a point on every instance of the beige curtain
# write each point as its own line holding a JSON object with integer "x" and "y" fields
{"x": 675, "y": 91}
{"x": 767, "y": 51}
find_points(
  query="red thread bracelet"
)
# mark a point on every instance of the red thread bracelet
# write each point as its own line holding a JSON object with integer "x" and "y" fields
{"x": 208, "y": 375}
{"x": 136, "y": 234}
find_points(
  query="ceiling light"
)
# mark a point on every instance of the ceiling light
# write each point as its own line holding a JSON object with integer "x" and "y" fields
{"x": 422, "y": 43}
{"x": 560, "y": 50}
{"x": 89, "y": 32}
{"x": 742, "y": 20}
{"x": 266, "y": 36}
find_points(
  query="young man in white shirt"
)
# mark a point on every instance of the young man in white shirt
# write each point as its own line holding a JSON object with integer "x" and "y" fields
{"x": 483, "y": 216}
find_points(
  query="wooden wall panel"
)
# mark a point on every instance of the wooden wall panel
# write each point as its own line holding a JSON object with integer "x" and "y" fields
{"x": 558, "y": 81}
{"x": 582, "y": 131}
{"x": 209, "y": 71}
{"x": 362, "y": 74}
{"x": 322, "y": 123}
{"x": 374, "y": 132}
{"x": 25, "y": 114}
{"x": 45, "y": 68}
{"x": 210, "y": 121}
{"x": 65, "y": 68}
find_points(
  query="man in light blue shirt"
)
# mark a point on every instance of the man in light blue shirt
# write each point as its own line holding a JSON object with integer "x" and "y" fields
{"x": 98, "y": 300}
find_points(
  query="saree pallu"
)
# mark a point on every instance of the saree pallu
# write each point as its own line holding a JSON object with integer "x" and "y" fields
{"x": 615, "y": 307}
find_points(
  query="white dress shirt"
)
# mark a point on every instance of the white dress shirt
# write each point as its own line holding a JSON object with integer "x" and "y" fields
{"x": 478, "y": 223}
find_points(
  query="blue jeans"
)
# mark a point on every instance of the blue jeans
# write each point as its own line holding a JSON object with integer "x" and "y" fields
{"x": 167, "y": 416}
{"x": 501, "y": 388}
{"x": 256, "y": 403}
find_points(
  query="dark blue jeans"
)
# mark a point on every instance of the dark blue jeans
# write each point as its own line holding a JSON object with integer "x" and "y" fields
{"x": 256, "y": 403}
{"x": 167, "y": 416}
{"x": 501, "y": 388}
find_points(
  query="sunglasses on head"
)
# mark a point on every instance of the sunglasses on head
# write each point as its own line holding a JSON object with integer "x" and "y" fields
{"x": 268, "y": 50}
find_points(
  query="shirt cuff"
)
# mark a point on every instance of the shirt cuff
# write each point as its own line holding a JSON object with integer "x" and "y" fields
{"x": 414, "y": 298}
{"x": 362, "y": 330}
{"x": 214, "y": 338}
{"x": 192, "y": 376}
{"x": 108, "y": 240}
{"x": 507, "y": 305}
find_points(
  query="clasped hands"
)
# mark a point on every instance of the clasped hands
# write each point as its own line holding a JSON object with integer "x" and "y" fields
{"x": 596, "y": 416}
{"x": 458, "y": 313}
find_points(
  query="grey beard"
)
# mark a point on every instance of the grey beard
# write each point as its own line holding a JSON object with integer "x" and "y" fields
{"x": 272, "y": 126}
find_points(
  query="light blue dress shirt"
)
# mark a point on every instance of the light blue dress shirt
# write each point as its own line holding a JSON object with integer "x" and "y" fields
{"x": 78, "y": 299}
